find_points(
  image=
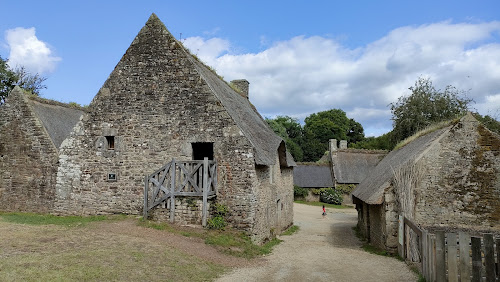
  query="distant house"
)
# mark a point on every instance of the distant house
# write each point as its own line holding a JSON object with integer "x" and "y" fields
{"x": 351, "y": 166}
{"x": 312, "y": 176}
{"x": 446, "y": 178}
{"x": 163, "y": 124}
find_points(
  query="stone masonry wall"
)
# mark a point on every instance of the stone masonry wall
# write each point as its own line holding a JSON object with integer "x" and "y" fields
{"x": 274, "y": 192}
{"x": 155, "y": 105}
{"x": 462, "y": 183}
{"x": 28, "y": 158}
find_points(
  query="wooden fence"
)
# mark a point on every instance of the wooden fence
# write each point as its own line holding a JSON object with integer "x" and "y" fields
{"x": 453, "y": 256}
{"x": 180, "y": 178}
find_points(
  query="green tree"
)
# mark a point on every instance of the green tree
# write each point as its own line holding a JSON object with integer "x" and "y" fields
{"x": 7, "y": 80}
{"x": 426, "y": 105}
{"x": 382, "y": 142}
{"x": 290, "y": 130}
{"x": 489, "y": 122}
{"x": 323, "y": 126}
{"x": 32, "y": 83}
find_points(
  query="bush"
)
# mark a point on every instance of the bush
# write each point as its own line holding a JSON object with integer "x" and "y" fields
{"x": 218, "y": 220}
{"x": 317, "y": 191}
{"x": 331, "y": 196}
{"x": 299, "y": 191}
{"x": 345, "y": 188}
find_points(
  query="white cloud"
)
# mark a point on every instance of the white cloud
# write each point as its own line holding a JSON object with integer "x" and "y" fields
{"x": 304, "y": 75}
{"x": 28, "y": 51}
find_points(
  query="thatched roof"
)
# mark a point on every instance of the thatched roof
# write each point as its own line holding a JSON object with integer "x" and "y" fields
{"x": 312, "y": 176}
{"x": 57, "y": 118}
{"x": 371, "y": 189}
{"x": 352, "y": 166}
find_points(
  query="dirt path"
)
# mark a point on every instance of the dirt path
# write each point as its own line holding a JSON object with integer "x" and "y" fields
{"x": 324, "y": 249}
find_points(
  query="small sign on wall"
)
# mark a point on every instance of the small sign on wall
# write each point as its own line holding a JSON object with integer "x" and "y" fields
{"x": 401, "y": 229}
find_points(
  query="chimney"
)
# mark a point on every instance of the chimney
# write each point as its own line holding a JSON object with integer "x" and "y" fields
{"x": 242, "y": 85}
{"x": 333, "y": 145}
{"x": 343, "y": 144}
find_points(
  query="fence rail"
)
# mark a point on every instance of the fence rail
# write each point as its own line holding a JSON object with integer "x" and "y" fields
{"x": 180, "y": 178}
{"x": 452, "y": 256}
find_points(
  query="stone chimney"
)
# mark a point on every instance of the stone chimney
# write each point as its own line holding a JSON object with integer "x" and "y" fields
{"x": 242, "y": 85}
{"x": 343, "y": 144}
{"x": 333, "y": 145}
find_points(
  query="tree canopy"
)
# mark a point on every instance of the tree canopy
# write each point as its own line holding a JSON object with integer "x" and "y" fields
{"x": 32, "y": 83}
{"x": 290, "y": 130}
{"x": 426, "y": 105}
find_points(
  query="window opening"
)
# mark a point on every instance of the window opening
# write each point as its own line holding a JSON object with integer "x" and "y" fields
{"x": 111, "y": 176}
{"x": 203, "y": 150}
{"x": 111, "y": 142}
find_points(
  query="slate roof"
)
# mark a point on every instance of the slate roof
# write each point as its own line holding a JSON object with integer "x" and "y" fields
{"x": 371, "y": 189}
{"x": 312, "y": 176}
{"x": 352, "y": 166}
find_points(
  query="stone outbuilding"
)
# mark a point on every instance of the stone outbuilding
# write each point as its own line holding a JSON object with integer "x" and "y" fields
{"x": 449, "y": 178}
{"x": 31, "y": 132}
{"x": 161, "y": 105}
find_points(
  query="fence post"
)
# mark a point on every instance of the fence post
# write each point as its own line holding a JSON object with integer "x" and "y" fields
{"x": 452, "y": 257}
{"x": 173, "y": 169}
{"x": 477, "y": 263}
{"x": 146, "y": 188}
{"x": 489, "y": 257}
{"x": 498, "y": 257}
{"x": 465, "y": 262}
{"x": 205, "y": 189}
{"x": 440, "y": 257}
{"x": 425, "y": 256}
{"x": 433, "y": 258}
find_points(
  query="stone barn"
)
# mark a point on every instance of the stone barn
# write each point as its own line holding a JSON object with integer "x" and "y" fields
{"x": 31, "y": 132}
{"x": 160, "y": 117}
{"x": 447, "y": 178}
{"x": 312, "y": 176}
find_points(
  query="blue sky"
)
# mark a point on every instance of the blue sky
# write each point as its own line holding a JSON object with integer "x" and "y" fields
{"x": 300, "y": 57}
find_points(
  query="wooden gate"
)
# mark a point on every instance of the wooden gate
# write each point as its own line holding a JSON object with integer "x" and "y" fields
{"x": 181, "y": 178}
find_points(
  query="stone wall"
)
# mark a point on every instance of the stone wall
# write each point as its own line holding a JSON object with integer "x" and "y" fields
{"x": 274, "y": 191}
{"x": 377, "y": 225}
{"x": 28, "y": 158}
{"x": 461, "y": 188}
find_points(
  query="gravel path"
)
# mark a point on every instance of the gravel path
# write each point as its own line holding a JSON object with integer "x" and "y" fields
{"x": 324, "y": 249}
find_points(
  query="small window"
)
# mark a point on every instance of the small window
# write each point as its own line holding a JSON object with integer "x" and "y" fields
{"x": 111, "y": 142}
{"x": 111, "y": 176}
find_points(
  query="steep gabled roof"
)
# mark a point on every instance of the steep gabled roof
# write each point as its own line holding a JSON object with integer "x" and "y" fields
{"x": 352, "y": 166}
{"x": 312, "y": 176}
{"x": 57, "y": 118}
{"x": 371, "y": 189}
{"x": 151, "y": 54}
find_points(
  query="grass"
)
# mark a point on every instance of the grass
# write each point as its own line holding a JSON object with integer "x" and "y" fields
{"x": 45, "y": 219}
{"x": 320, "y": 204}
{"x": 425, "y": 131}
{"x": 293, "y": 229}
{"x": 42, "y": 248}
{"x": 229, "y": 241}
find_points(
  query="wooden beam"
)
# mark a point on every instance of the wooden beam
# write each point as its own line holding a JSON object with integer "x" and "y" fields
{"x": 477, "y": 263}
{"x": 205, "y": 189}
{"x": 489, "y": 256}
{"x": 172, "y": 192}
{"x": 440, "y": 257}
{"x": 146, "y": 188}
{"x": 465, "y": 262}
{"x": 452, "y": 258}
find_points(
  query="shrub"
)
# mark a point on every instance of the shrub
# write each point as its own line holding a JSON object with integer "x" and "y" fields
{"x": 299, "y": 191}
{"x": 331, "y": 196}
{"x": 218, "y": 220}
{"x": 345, "y": 188}
{"x": 317, "y": 191}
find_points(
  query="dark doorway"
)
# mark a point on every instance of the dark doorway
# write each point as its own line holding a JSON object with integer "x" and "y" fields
{"x": 203, "y": 150}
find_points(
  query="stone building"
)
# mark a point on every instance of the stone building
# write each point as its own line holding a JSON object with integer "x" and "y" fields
{"x": 161, "y": 103}
{"x": 31, "y": 132}
{"x": 351, "y": 166}
{"x": 312, "y": 176}
{"x": 448, "y": 178}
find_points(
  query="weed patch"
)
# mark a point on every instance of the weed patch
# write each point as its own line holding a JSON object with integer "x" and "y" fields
{"x": 292, "y": 229}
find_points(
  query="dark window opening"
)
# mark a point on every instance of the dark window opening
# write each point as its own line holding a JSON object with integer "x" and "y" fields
{"x": 203, "y": 150}
{"x": 111, "y": 142}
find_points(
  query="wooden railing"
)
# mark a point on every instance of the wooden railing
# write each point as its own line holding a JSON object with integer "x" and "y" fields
{"x": 180, "y": 178}
{"x": 453, "y": 256}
